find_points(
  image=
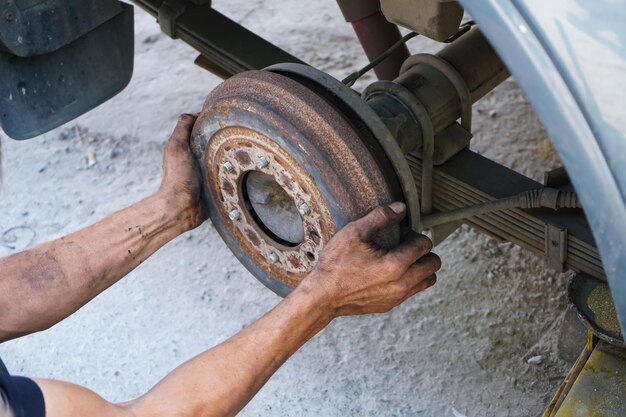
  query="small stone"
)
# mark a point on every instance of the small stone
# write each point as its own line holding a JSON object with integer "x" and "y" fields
{"x": 493, "y": 113}
{"x": 490, "y": 276}
{"x": 457, "y": 413}
{"x": 152, "y": 38}
{"x": 91, "y": 159}
{"x": 115, "y": 152}
{"x": 535, "y": 360}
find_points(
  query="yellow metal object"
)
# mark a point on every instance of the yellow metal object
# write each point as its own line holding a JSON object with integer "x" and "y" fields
{"x": 596, "y": 384}
{"x": 591, "y": 340}
{"x": 571, "y": 376}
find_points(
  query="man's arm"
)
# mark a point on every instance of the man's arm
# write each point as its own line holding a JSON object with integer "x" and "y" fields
{"x": 350, "y": 278}
{"x": 41, "y": 286}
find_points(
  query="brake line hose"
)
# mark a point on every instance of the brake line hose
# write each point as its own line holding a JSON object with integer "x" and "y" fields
{"x": 542, "y": 198}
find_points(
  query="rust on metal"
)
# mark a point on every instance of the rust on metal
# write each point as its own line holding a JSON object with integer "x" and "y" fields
{"x": 299, "y": 173}
{"x": 257, "y": 242}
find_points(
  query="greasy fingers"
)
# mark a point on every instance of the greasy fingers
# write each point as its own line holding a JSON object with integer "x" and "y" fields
{"x": 422, "y": 269}
{"x": 182, "y": 131}
{"x": 429, "y": 262}
{"x": 181, "y": 183}
{"x": 378, "y": 219}
{"x": 177, "y": 149}
{"x": 355, "y": 278}
{"x": 412, "y": 247}
{"x": 424, "y": 284}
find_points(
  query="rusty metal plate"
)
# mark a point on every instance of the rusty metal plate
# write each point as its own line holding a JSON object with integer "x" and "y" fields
{"x": 383, "y": 144}
{"x": 283, "y": 172}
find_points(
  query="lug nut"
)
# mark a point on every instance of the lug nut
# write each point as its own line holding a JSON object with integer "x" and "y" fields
{"x": 274, "y": 257}
{"x": 228, "y": 167}
{"x": 234, "y": 215}
{"x": 263, "y": 162}
{"x": 304, "y": 209}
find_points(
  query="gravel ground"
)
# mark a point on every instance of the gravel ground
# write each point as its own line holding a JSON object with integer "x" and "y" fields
{"x": 460, "y": 348}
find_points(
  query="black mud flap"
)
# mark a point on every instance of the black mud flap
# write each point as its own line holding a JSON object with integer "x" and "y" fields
{"x": 55, "y": 73}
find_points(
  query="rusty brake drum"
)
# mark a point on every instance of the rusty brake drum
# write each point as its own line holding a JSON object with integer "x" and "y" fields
{"x": 285, "y": 168}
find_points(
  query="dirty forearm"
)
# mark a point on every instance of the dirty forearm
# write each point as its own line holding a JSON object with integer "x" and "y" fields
{"x": 41, "y": 286}
{"x": 218, "y": 382}
{"x": 351, "y": 277}
{"x": 221, "y": 381}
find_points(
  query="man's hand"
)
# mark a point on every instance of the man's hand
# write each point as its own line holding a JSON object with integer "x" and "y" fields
{"x": 41, "y": 286}
{"x": 181, "y": 183}
{"x": 352, "y": 277}
{"x": 355, "y": 277}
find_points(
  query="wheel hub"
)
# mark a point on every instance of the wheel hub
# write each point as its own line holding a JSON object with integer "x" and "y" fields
{"x": 284, "y": 171}
{"x": 260, "y": 196}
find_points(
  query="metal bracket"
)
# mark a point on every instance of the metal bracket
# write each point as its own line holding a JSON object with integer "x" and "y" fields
{"x": 441, "y": 232}
{"x": 169, "y": 12}
{"x": 450, "y": 141}
{"x": 455, "y": 78}
{"x": 556, "y": 178}
{"x": 428, "y": 145}
{"x": 556, "y": 247}
{"x": 204, "y": 29}
{"x": 401, "y": 94}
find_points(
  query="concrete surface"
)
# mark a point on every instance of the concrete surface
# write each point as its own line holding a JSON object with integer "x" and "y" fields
{"x": 459, "y": 349}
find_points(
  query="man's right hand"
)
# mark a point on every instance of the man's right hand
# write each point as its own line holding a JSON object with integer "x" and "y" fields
{"x": 355, "y": 277}
{"x": 352, "y": 277}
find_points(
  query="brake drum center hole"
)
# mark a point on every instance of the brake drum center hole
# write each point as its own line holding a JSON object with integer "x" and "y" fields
{"x": 273, "y": 209}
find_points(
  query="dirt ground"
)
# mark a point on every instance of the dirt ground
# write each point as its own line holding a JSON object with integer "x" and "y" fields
{"x": 459, "y": 349}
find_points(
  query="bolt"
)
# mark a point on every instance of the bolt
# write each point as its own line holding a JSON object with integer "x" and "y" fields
{"x": 274, "y": 257}
{"x": 228, "y": 167}
{"x": 263, "y": 162}
{"x": 234, "y": 215}
{"x": 304, "y": 209}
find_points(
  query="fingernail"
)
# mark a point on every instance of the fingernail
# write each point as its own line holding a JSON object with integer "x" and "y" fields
{"x": 398, "y": 207}
{"x": 432, "y": 280}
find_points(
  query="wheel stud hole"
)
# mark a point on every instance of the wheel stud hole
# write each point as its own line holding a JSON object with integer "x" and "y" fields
{"x": 310, "y": 256}
{"x": 315, "y": 237}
